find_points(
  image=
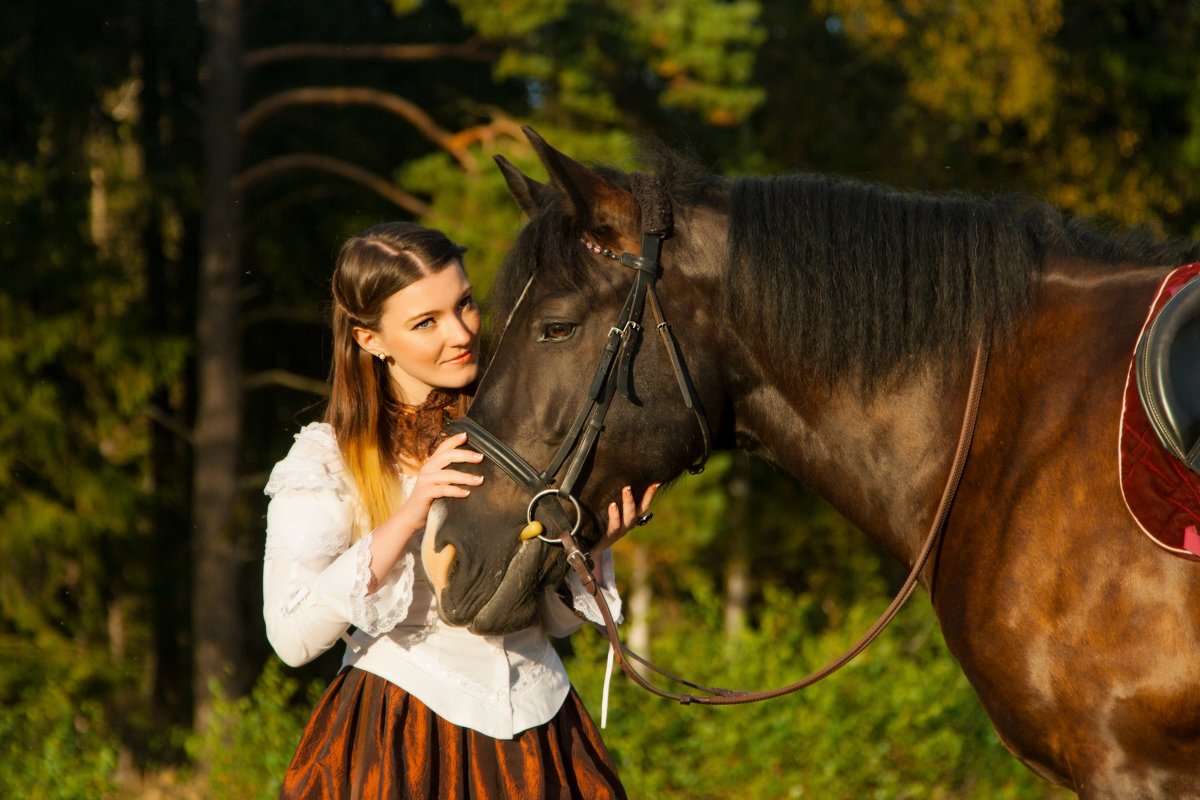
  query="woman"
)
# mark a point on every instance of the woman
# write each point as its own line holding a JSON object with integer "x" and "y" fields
{"x": 419, "y": 709}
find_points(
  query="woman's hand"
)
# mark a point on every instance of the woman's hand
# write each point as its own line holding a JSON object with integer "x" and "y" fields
{"x": 436, "y": 480}
{"x": 626, "y": 517}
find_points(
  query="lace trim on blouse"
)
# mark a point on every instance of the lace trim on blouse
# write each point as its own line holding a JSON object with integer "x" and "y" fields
{"x": 309, "y": 473}
{"x": 585, "y": 604}
{"x": 532, "y": 677}
{"x": 320, "y": 433}
{"x": 328, "y": 540}
{"x": 284, "y": 477}
{"x": 364, "y": 609}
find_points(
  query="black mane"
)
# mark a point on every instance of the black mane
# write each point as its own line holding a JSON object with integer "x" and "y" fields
{"x": 845, "y": 275}
{"x": 840, "y": 277}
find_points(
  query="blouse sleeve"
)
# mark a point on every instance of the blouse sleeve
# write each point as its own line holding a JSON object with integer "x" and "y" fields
{"x": 314, "y": 581}
{"x": 559, "y": 620}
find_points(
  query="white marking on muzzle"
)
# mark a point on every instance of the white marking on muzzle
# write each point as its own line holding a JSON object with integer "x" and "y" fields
{"x": 437, "y": 564}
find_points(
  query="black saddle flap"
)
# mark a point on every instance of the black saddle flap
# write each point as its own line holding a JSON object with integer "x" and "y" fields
{"x": 1168, "y": 374}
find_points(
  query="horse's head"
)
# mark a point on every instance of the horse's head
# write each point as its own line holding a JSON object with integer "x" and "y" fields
{"x": 557, "y": 301}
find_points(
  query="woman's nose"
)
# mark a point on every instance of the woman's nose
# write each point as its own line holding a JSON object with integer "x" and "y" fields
{"x": 460, "y": 334}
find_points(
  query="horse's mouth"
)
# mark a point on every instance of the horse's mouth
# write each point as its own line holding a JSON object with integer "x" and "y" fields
{"x": 513, "y": 605}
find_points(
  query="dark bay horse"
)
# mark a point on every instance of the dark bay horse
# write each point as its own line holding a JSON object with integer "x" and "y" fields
{"x": 830, "y": 327}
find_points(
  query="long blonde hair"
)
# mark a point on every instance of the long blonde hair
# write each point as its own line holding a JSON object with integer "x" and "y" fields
{"x": 374, "y": 430}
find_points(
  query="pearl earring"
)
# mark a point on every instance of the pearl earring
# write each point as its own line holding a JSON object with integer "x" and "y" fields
{"x": 382, "y": 358}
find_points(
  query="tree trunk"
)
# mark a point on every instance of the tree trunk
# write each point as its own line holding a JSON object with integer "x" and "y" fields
{"x": 737, "y": 594}
{"x": 166, "y": 560}
{"x": 216, "y": 624}
{"x": 641, "y": 597}
{"x": 737, "y": 565}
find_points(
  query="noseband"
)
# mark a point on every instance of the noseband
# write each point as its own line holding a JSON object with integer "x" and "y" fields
{"x": 624, "y": 337}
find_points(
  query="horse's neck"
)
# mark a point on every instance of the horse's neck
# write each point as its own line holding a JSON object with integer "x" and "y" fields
{"x": 882, "y": 460}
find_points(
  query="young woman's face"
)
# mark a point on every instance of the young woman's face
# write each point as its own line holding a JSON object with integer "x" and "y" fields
{"x": 429, "y": 333}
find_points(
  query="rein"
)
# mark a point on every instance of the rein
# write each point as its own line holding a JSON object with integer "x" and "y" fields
{"x": 623, "y": 340}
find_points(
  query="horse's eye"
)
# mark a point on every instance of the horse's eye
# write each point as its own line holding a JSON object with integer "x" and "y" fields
{"x": 557, "y": 331}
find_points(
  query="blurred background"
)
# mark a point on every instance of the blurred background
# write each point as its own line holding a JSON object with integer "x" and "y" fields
{"x": 175, "y": 178}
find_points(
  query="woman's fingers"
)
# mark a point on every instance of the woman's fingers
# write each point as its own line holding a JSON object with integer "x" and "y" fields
{"x": 627, "y": 515}
{"x": 444, "y": 458}
{"x": 450, "y": 442}
{"x": 614, "y": 519}
{"x": 449, "y": 452}
{"x": 648, "y": 496}
{"x": 454, "y": 476}
{"x": 629, "y": 511}
{"x": 431, "y": 480}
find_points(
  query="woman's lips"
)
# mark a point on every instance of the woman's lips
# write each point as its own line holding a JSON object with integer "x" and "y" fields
{"x": 458, "y": 361}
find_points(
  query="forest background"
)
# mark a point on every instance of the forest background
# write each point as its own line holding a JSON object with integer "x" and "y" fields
{"x": 175, "y": 178}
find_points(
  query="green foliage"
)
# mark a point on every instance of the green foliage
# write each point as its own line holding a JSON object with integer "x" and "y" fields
{"x": 1084, "y": 106}
{"x": 502, "y": 19}
{"x": 898, "y": 722}
{"x": 251, "y": 739}
{"x": 81, "y": 366}
{"x": 57, "y": 744}
{"x": 593, "y": 62}
{"x": 986, "y": 60}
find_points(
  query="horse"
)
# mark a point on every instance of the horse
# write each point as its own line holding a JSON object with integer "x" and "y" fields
{"x": 832, "y": 327}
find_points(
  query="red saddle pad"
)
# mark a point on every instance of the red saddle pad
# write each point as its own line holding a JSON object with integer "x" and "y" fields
{"x": 1161, "y": 493}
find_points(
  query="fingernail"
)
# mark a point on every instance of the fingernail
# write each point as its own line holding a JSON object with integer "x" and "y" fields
{"x": 628, "y": 490}
{"x": 479, "y": 479}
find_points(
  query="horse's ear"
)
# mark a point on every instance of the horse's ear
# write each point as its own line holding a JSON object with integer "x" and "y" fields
{"x": 525, "y": 189}
{"x": 590, "y": 198}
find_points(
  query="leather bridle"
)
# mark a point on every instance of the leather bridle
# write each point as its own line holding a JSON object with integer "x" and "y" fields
{"x": 580, "y": 441}
{"x": 613, "y": 374}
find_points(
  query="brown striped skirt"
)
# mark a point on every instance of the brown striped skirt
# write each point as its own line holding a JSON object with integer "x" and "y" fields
{"x": 368, "y": 738}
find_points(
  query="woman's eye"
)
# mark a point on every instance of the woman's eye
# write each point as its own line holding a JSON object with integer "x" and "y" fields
{"x": 467, "y": 302}
{"x": 556, "y": 331}
{"x": 425, "y": 323}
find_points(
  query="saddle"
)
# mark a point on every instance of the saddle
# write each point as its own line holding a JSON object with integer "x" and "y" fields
{"x": 1168, "y": 374}
{"x": 1160, "y": 421}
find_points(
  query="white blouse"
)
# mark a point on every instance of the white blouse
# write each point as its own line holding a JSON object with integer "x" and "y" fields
{"x": 315, "y": 588}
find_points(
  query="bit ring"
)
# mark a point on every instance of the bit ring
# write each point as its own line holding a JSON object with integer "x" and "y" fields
{"x": 578, "y": 513}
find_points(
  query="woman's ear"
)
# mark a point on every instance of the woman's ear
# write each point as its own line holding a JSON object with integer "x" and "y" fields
{"x": 368, "y": 340}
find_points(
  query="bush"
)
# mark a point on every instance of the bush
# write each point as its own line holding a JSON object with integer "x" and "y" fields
{"x": 900, "y": 721}
{"x": 249, "y": 741}
{"x": 54, "y": 746}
